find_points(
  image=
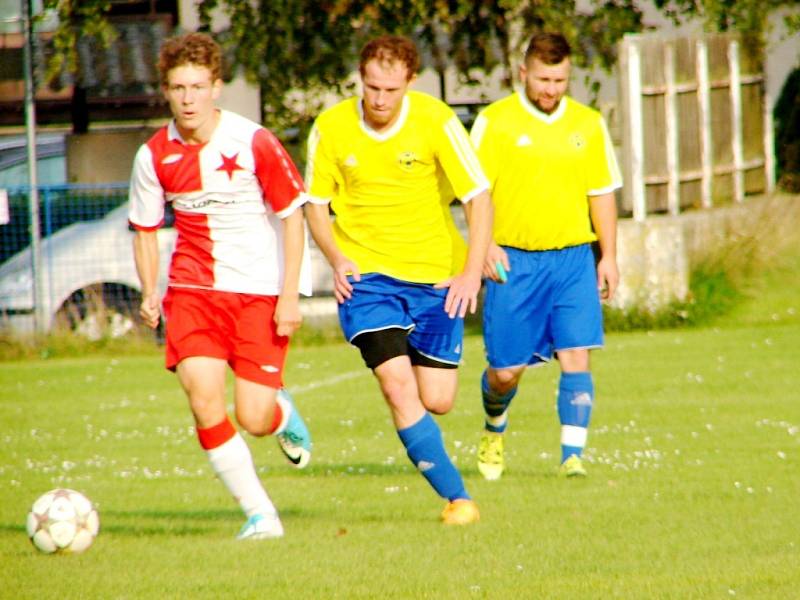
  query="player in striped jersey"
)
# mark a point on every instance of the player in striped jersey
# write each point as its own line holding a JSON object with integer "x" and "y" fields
{"x": 236, "y": 271}
{"x": 377, "y": 160}
{"x": 553, "y": 174}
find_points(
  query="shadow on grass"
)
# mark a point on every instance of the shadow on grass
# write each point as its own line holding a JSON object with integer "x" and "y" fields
{"x": 137, "y": 529}
{"x": 355, "y": 469}
{"x": 184, "y": 515}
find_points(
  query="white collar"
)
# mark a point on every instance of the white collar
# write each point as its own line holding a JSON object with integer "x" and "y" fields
{"x": 552, "y": 117}
{"x": 384, "y": 135}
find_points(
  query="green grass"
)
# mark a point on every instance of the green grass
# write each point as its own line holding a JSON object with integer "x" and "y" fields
{"x": 692, "y": 489}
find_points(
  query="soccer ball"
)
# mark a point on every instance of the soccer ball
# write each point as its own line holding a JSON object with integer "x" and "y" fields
{"x": 62, "y": 521}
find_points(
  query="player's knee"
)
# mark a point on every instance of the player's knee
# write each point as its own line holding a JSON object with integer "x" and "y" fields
{"x": 573, "y": 360}
{"x": 397, "y": 389}
{"x": 440, "y": 404}
{"x": 256, "y": 424}
{"x": 207, "y": 412}
{"x": 504, "y": 380}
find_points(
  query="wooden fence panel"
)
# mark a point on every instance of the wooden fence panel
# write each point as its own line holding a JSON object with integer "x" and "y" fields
{"x": 696, "y": 129}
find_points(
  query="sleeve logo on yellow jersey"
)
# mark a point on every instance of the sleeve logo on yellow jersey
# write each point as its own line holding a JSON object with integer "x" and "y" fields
{"x": 577, "y": 140}
{"x": 524, "y": 140}
{"x": 406, "y": 160}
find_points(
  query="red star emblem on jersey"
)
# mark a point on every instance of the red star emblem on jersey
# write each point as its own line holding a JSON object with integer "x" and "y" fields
{"x": 229, "y": 164}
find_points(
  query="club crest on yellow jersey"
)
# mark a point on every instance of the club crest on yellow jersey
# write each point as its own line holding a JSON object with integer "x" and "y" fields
{"x": 577, "y": 140}
{"x": 406, "y": 160}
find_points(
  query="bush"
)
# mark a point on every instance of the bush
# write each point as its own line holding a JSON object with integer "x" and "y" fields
{"x": 787, "y": 133}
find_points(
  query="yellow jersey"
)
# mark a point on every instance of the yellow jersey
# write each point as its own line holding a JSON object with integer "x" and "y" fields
{"x": 386, "y": 188}
{"x": 542, "y": 169}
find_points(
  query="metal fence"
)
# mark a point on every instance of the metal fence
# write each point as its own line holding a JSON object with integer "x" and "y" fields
{"x": 85, "y": 279}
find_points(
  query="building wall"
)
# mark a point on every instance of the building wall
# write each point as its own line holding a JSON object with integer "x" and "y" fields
{"x": 90, "y": 160}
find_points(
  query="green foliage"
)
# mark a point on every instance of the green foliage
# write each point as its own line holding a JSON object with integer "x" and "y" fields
{"x": 86, "y": 18}
{"x": 70, "y": 345}
{"x": 787, "y": 133}
{"x": 300, "y": 50}
{"x": 712, "y": 294}
{"x": 294, "y": 50}
{"x": 748, "y": 17}
{"x": 756, "y": 245}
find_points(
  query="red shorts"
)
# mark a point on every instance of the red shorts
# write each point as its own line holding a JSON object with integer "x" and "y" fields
{"x": 235, "y": 327}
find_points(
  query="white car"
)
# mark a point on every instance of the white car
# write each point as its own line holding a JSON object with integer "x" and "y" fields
{"x": 90, "y": 285}
{"x": 89, "y": 280}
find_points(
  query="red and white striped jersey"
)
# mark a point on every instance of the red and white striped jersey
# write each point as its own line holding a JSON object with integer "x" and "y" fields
{"x": 229, "y": 196}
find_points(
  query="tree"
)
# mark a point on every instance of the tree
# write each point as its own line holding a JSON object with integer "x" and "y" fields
{"x": 748, "y": 17}
{"x": 299, "y": 50}
{"x": 75, "y": 20}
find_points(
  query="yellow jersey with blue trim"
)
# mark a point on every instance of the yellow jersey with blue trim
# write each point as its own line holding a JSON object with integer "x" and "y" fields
{"x": 542, "y": 169}
{"x": 385, "y": 187}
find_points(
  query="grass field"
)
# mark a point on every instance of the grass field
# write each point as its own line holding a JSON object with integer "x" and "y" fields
{"x": 692, "y": 491}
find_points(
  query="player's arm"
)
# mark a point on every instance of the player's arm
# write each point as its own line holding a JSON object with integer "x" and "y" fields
{"x": 145, "y": 255}
{"x": 457, "y": 157}
{"x": 282, "y": 188}
{"x": 319, "y": 222}
{"x": 483, "y": 137}
{"x": 603, "y": 212}
{"x": 146, "y": 214}
{"x": 287, "y": 311}
{"x": 463, "y": 289}
{"x": 322, "y": 181}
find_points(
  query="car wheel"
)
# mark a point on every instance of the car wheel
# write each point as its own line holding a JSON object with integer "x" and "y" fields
{"x": 103, "y": 310}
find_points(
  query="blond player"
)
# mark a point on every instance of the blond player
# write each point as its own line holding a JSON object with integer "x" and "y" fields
{"x": 377, "y": 160}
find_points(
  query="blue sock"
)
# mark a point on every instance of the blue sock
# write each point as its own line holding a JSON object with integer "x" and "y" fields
{"x": 425, "y": 448}
{"x": 575, "y": 397}
{"x": 495, "y": 405}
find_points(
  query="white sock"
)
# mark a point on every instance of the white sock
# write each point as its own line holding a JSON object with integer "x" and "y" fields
{"x": 233, "y": 464}
{"x": 286, "y": 412}
{"x": 498, "y": 421}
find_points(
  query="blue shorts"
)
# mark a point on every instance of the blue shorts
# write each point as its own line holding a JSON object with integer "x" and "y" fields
{"x": 382, "y": 302}
{"x": 549, "y": 303}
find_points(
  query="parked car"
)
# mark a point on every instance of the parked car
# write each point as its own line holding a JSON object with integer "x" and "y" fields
{"x": 89, "y": 280}
{"x": 90, "y": 285}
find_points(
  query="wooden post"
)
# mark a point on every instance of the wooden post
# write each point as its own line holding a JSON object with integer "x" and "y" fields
{"x": 769, "y": 142}
{"x": 634, "y": 142}
{"x": 704, "y": 114}
{"x": 736, "y": 120}
{"x": 671, "y": 120}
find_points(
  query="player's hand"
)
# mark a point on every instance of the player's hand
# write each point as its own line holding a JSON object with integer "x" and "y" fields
{"x": 150, "y": 310}
{"x": 342, "y": 288}
{"x": 496, "y": 266}
{"x": 607, "y": 278}
{"x": 287, "y": 315}
{"x": 462, "y": 294}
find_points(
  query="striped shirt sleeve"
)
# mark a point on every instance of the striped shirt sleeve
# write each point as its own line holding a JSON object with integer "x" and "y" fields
{"x": 459, "y": 161}
{"x": 279, "y": 178}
